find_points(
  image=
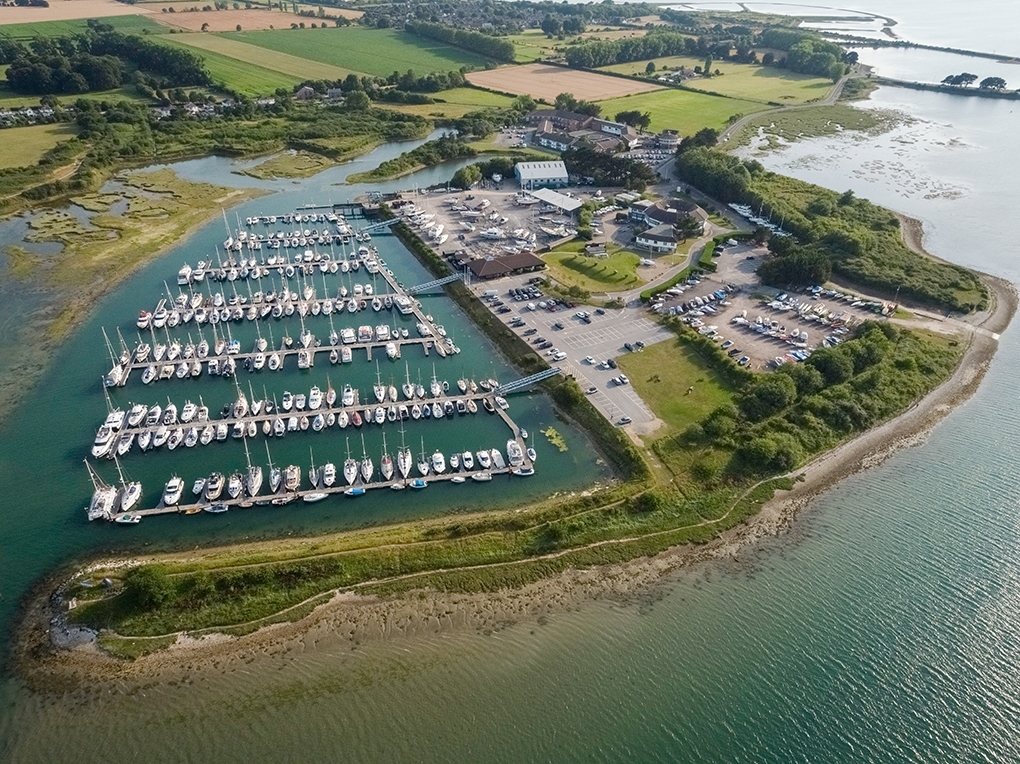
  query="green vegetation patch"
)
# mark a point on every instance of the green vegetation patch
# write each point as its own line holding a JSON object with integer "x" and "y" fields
{"x": 454, "y": 103}
{"x": 250, "y": 69}
{"x": 442, "y": 149}
{"x": 682, "y": 110}
{"x": 379, "y": 52}
{"x": 834, "y": 234}
{"x": 23, "y": 146}
{"x": 814, "y": 122}
{"x": 679, "y": 385}
{"x": 571, "y": 267}
{"x": 136, "y": 24}
{"x": 555, "y": 438}
{"x": 293, "y": 164}
{"x": 749, "y": 81}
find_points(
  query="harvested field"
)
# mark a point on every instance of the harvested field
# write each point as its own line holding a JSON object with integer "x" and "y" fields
{"x": 227, "y": 21}
{"x": 545, "y": 81}
{"x": 68, "y": 9}
{"x": 26, "y": 145}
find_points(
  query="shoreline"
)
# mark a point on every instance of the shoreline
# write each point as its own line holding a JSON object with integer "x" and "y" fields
{"x": 67, "y": 658}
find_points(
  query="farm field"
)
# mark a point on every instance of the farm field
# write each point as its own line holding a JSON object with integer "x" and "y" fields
{"x": 571, "y": 267}
{"x": 24, "y": 146}
{"x": 682, "y": 110}
{"x": 545, "y": 81}
{"x": 379, "y": 52}
{"x": 227, "y": 20}
{"x": 62, "y": 11}
{"x": 457, "y": 103}
{"x": 750, "y": 81}
{"x": 250, "y": 69}
{"x": 134, "y": 24}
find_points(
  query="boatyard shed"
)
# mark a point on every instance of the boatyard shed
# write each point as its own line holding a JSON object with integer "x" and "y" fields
{"x": 562, "y": 202}
{"x": 497, "y": 267}
{"x": 532, "y": 175}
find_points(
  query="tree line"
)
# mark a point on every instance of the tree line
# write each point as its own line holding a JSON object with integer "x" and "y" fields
{"x": 778, "y": 421}
{"x": 476, "y": 42}
{"x": 805, "y": 53}
{"x": 98, "y": 59}
{"x": 833, "y": 233}
{"x": 655, "y": 44}
{"x": 608, "y": 170}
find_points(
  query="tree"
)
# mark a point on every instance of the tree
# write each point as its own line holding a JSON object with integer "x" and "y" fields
{"x": 992, "y": 83}
{"x": 551, "y": 25}
{"x": 466, "y": 177}
{"x": 963, "y": 79}
{"x": 634, "y": 118}
{"x": 149, "y": 585}
{"x": 565, "y": 102}
{"x": 573, "y": 25}
{"x": 205, "y": 27}
{"x": 650, "y": 68}
{"x": 708, "y": 66}
{"x": 686, "y": 227}
{"x": 238, "y": 27}
{"x": 358, "y": 100}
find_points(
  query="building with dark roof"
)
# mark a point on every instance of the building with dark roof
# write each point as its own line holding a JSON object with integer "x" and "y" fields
{"x": 497, "y": 267}
{"x": 669, "y": 211}
{"x": 661, "y": 239}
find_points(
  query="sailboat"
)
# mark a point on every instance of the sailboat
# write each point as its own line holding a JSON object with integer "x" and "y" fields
{"x": 386, "y": 463}
{"x": 314, "y": 475}
{"x": 130, "y": 493}
{"x": 253, "y": 477}
{"x": 379, "y": 388}
{"x": 350, "y": 466}
{"x": 404, "y": 458}
{"x": 275, "y": 474}
{"x": 423, "y": 462}
{"x": 104, "y": 497}
{"x": 367, "y": 468}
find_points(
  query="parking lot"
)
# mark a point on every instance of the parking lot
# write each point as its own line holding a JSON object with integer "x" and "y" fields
{"x": 600, "y": 335}
{"x": 761, "y": 324}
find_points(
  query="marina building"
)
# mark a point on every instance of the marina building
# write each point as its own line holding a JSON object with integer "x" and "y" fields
{"x": 534, "y": 175}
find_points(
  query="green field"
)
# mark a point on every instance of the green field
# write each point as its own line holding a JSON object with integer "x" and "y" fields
{"x": 128, "y": 24}
{"x": 756, "y": 83}
{"x": 227, "y": 62}
{"x": 379, "y": 52}
{"x": 531, "y": 45}
{"x": 681, "y": 110}
{"x": 24, "y": 146}
{"x": 456, "y": 103}
{"x": 662, "y": 374}
{"x": 569, "y": 266}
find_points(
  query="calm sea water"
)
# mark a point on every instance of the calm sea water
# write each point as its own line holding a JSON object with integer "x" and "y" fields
{"x": 884, "y": 628}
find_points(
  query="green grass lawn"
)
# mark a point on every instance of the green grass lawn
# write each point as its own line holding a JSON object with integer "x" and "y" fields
{"x": 750, "y": 81}
{"x": 681, "y": 110}
{"x": 662, "y": 374}
{"x": 139, "y": 24}
{"x": 24, "y": 146}
{"x": 531, "y": 45}
{"x": 569, "y": 266}
{"x": 456, "y": 103}
{"x": 373, "y": 51}
{"x": 232, "y": 63}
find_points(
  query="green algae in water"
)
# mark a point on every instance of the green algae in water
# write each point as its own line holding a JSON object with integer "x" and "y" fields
{"x": 554, "y": 437}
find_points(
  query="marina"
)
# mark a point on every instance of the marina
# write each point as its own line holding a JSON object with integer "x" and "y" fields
{"x": 394, "y": 319}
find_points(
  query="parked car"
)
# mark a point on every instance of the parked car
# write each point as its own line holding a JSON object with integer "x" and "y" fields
{"x": 561, "y": 356}
{"x": 624, "y": 420}
{"x": 611, "y": 363}
{"x": 533, "y": 331}
{"x": 744, "y": 360}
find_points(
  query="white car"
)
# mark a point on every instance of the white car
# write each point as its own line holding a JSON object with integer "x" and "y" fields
{"x": 589, "y": 360}
{"x": 560, "y": 357}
